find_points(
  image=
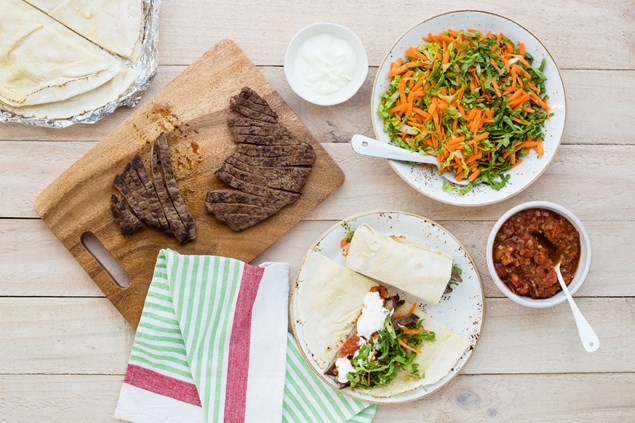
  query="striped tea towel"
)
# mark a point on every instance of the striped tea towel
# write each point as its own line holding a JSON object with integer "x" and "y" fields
{"x": 212, "y": 346}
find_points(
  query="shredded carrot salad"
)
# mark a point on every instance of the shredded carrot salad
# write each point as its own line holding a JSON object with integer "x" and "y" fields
{"x": 471, "y": 99}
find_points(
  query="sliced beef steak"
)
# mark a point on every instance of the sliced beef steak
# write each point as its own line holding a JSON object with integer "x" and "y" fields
{"x": 173, "y": 189}
{"x": 250, "y": 94}
{"x": 239, "y": 208}
{"x": 254, "y": 107}
{"x": 240, "y": 222}
{"x": 128, "y": 222}
{"x": 178, "y": 228}
{"x": 236, "y": 119}
{"x": 272, "y": 131}
{"x": 271, "y": 171}
{"x": 150, "y": 193}
{"x": 239, "y": 197}
{"x": 294, "y": 160}
{"x": 276, "y": 150}
{"x": 264, "y": 139}
{"x": 241, "y": 185}
{"x": 280, "y": 180}
{"x": 253, "y": 114}
{"x": 268, "y": 169}
{"x": 152, "y": 200}
{"x": 138, "y": 204}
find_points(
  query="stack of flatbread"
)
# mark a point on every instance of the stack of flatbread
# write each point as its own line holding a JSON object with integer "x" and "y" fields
{"x": 61, "y": 58}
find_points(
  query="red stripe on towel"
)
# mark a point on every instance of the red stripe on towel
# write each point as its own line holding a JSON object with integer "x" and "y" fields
{"x": 163, "y": 385}
{"x": 236, "y": 389}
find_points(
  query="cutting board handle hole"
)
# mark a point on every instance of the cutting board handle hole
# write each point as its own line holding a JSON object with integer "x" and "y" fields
{"x": 93, "y": 245}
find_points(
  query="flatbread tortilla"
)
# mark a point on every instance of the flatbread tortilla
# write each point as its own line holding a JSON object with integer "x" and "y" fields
{"x": 436, "y": 360}
{"x": 74, "y": 106}
{"x": 329, "y": 300}
{"x": 116, "y": 25}
{"x": 403, "y": 263}
{"x": 41, "y": 61}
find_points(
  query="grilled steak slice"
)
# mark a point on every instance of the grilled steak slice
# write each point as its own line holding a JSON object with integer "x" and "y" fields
{"x": 150, "y": 193}
{"x": 253, "y": 114}
{"x": 255, "y": 107}
{"x": 271, "y": 131}
{"x": 236, "y": 119}
{"x": 138, "y": 204}
{"x": 264, "y": 139}
{"x": 128, "y": 222}
{"x": 294, "y": 160}
{"x": 239, "y": 216}
{"x": 250, "y": 94}
{"x": 177, "y": 227}
{"x": 282, "y": 181}
{"x": 173, "y": 189}
{"x": 239, "y": 222}
{"x": 276, "y": 150}
{"x": 405, "y": 320}
{"x": 245, "y": 186}
{"x": 273, "y": 171}
{"x": 238, "y": 208}
{"x": 278, "y": 180}
{"x": 239, "y": 197}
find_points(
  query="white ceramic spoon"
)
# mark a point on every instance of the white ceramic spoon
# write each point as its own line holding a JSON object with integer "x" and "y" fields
{"x": 370, "y": 147}
{"x": 588, "y": 336}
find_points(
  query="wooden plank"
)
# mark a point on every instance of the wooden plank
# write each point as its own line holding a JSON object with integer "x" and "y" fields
{"x": 587, "y": 120}
{"x": 29, "y": 167}
{"x": 372, "y": 184}
{"x": 88, "y": 336}
{"x": 507, "y": 398}
{"x": 34, "y": 263}
{"x": 263, "y": 30}
{"x": 32, "y": 166}
{"x": 193, "y": 117}
{"x": 475, "y": 398}
{"x": 63, "y": 335}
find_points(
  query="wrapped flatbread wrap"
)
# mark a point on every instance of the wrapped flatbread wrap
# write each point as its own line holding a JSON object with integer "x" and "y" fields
{"x": 408, "y": 265}
{"x": 329, "y": 297}
{"x": 329, "y": 300}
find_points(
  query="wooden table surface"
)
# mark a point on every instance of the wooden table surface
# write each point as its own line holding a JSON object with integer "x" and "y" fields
{"x": 64, "y": 348}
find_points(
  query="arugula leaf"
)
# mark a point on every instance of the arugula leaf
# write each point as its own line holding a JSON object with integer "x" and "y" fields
{"x": 350, "y": 232}
{"x": 377, "y": 363}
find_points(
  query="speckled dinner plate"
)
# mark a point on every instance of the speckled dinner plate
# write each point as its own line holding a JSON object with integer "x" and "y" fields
{"x": 462, "y": 310}
{"x": 428, "y": 181}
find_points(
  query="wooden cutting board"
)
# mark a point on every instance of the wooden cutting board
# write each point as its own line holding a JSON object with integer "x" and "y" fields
{"x": 192, "y": 111}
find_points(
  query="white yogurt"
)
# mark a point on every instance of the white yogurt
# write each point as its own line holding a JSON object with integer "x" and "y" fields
{"x": 344, "y": 367}
{"x": 325, "y": 64}
{"x": 373, "y": 315}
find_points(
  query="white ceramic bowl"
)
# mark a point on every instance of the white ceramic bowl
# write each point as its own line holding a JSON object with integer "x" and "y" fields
{"x": 346, "y": 92}
{"x": 429, "y": 182}
{"x": 583, "y": 266}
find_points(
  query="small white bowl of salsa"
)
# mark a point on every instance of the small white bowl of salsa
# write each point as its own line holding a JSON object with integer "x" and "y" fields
{"x": 520, "y": 247}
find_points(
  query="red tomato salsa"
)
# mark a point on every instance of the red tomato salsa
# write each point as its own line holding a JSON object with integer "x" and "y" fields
{"x": 524, "y": 256}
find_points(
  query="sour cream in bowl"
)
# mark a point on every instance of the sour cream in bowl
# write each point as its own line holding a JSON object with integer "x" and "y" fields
{"x": 325, "y": 63}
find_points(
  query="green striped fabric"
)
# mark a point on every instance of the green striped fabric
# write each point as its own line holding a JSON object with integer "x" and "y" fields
{"x": 186, "y": 311}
